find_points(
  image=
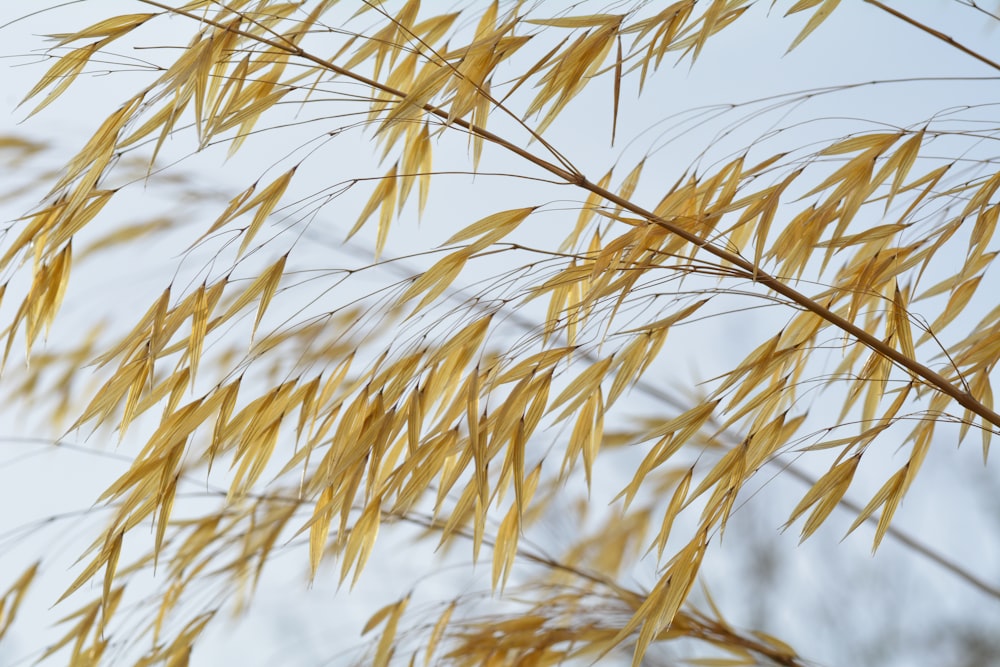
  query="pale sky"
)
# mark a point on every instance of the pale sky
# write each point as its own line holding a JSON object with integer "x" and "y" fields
{"x": 859, "y": 44}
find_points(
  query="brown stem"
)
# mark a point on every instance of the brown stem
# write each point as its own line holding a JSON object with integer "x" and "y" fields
{"x": 700, "y": 626}
{"x": 962, "y": 397}
{"x": 673, "y": 401}
{"x": 567, "y": 175}
{"x": 935, "y": 33}
{"x": 933, "y": 378}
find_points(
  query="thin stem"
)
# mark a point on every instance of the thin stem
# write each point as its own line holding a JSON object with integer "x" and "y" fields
{"x": 480, "y": 90}
{"x": 935, "y": 33}
{"x": 294, "y": 49}
{"x": 526, "y": 324}
{"x": 629, "y": 597}
{"x": 906, "y": 539}
{"x": 570, "y": 177}
{"x": 935, "y": 379}
{"x": 932, "y": 377}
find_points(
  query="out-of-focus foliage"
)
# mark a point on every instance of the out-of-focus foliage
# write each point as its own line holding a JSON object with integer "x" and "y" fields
{"x": 509, "y": 364}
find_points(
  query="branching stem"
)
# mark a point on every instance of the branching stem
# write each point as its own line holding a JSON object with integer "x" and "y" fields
{"x": 932, "y": 377}
{"x": 929, "y": 375}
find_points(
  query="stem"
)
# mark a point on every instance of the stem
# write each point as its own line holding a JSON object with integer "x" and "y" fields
{"x": 567, "y": 175}
{"x": 935, "y": 33}
{"x": 654, "y": 392}
{"x": 704, "y": 631}
{"x": 904, "y": 538}
{"x": 932, "y": 377}
{"x": 570, "y": 177}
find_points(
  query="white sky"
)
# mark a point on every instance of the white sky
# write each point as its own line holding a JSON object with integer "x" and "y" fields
{"x": 858, "y": 44}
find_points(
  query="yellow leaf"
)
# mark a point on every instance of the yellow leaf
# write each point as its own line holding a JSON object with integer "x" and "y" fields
{"x": 65, "y": 70}
{"x": 12, "y": 598}
{"x": 815, "y": 20}
{"x": 491, "y": 229}
{"x": 583, "y": 21}
{"x": 673, "y": 509}
{"x": 901, "y": 324}
{"x": 887, "y": 496}
{"x": 669, "y": 321}
{"x": 384, "y": 196}
{"x": 534, "y": 364}
{"x": 270, "y": 280}
{"x": 319, "y": 532}
{"x": 438, "y": 632}
{"x": 383, "y": 652}
{"x": 265, "y": 202}
{"x": 505, "y": 548}
{"x": 266, "y": 282}
{"x": 826, "y": 494}
{"x": 361, "y": 539}
{"x": 863, "y": 142}
{"x": 113, "y": 27}
{"x": 583, "y": 386}
{"x": 199, "y": 328}
{"x": 435, "y": 280}
{"x": 166, "y": 501}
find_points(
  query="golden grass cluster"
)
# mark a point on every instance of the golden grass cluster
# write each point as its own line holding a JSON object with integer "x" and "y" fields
{"x": 453, "y": 429}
